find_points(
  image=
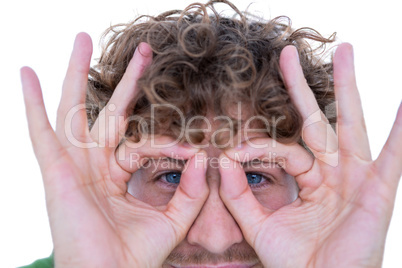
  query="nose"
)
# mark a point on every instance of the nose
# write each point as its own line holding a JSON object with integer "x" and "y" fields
{"x": 214, "y": 229}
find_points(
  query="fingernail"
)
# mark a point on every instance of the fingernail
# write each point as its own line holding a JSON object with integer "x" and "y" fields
{"x": 187, "y": 145}
{"x": 144, "y": 49}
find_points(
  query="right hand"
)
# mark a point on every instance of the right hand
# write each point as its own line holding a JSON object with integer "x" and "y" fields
{"x": 94, "y": 221}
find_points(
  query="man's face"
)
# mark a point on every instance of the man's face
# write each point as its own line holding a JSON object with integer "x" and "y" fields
{"x": 214, "y": 239}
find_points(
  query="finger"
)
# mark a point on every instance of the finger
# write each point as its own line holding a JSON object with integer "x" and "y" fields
{"x": 293, "y": 158}
{"x": 190, "y": 195}
{"x": 389, "y": 161}
{"x": 351, "y": 126}
{"x": 239, "y": 199}
{"x": 317, "y": 133}
{"x": 131, "y": 156}
{"x": 71, "y": 121}
{"x": 45, "y": 143}
{"x": 104, "y": 130}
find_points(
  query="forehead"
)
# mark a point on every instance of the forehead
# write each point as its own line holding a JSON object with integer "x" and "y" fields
{"x": 228, "y": 131}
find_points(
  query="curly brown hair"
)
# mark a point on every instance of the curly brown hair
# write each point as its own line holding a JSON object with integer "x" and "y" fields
{"x": 206, "y": 63}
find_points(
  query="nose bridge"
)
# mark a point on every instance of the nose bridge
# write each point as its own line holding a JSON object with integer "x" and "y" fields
{"x": 214, "y": 229}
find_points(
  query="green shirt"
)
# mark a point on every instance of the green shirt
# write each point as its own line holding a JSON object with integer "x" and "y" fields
{"x": 42, "y": 263}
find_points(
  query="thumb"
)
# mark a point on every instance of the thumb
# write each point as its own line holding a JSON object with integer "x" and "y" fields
{"x": 240, "y": 200}
{"x": 190, "y": 195}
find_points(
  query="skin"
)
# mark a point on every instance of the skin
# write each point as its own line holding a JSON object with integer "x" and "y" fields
{"x": 93, "y": 223}
{"x": 342, "y": 214}
{"x": 215, "y": 237}
{"x": 339, "y": 219}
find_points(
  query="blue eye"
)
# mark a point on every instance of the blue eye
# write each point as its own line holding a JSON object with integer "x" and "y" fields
{"x": 172, "y": 177}
{"x": 253, "y": 178}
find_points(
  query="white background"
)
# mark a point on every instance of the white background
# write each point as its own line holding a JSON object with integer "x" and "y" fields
{"x": 40, "y": 34}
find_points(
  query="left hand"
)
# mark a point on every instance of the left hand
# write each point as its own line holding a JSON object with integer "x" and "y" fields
{"x": 345, "y": 203}
{"x": 94, "y": 221}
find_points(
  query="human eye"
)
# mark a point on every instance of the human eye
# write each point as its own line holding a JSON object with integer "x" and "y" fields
{"x": 171, "y": 177}
{"x": 168, "y": 179}
{"x": 166, "y": 172}
{"x": 257, "y": 180}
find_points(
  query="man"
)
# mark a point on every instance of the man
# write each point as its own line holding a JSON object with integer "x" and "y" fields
{"x": 209, "y": 146}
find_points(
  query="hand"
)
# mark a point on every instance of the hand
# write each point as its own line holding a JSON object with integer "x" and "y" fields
{"x": 94, "y": 222}
{"x": 345, "y": 203}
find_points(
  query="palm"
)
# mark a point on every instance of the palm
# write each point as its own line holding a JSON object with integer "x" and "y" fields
{"x": 345, "y": 203}
{"x": 357, "y": 230}
{"x": 94, "y": 222}
{"x": 69, "y": 223}
{"x": 332, "y": 226}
